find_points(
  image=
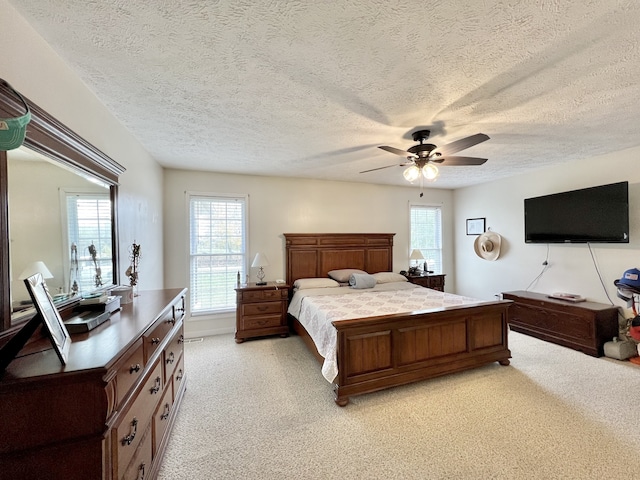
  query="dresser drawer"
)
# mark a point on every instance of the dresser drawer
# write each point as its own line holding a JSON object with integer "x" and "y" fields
{"x": 172, "y": 354}
{"x": 128, "y": 433}
{"x": 178, "y": 377}
{"x": 161, "y": 417}
{"x": 179, "y": 309}
{"x": 154, "y": 337}
{"x": 130, "y": 370}
{"x": 140, "y": 464}
{"x": 260, "y": 295}
{"x": 261, "y": 308}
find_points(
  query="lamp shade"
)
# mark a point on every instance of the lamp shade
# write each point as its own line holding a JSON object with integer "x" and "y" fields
{"x": 260, "y": 260}
{"x": 416, "y": 254}
{"x": 36, "y": 267}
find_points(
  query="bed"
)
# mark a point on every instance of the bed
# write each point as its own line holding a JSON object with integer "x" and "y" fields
{"x": 386, "y": 350}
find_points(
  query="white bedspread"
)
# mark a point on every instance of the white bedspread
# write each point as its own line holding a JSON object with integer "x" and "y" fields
{"x": 316, "y": 308}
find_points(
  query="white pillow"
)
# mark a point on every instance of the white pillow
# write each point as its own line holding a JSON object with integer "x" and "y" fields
{"x": 388, "y": 277}
{"x": 343, "y": 275}
{"x": 303, "y": 283}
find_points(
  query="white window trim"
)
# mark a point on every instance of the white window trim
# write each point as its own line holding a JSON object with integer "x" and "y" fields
{"x": 412, "y": 204}
{"x": 188, "y": 195}
{"x": 63, "y": 193}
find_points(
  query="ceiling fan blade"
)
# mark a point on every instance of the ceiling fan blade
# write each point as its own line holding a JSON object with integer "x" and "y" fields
{"x": 380, "y": 168}
{"x": 454, "y": 161}
{"x": 397, "y": 151}
{"x": 461, "y": 144}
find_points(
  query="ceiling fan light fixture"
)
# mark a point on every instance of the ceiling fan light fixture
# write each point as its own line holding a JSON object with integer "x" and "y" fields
{"x": 430, "y": 171}
{"x": 411, "y": 174}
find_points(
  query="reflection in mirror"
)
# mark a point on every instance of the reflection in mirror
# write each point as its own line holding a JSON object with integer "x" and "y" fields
{"x": 62, "y": 218}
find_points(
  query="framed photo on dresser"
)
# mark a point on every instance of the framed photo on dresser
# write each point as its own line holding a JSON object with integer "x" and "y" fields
{"x": 51, "y": 319}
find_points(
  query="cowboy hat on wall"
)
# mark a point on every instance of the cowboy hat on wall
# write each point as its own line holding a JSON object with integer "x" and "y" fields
{"x": 487, "y": 245}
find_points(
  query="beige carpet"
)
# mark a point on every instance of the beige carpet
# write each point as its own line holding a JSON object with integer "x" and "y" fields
{"x": 262, "y": 410}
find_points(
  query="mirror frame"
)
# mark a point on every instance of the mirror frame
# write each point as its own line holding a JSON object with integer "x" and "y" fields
{"x": 51, "y": 138}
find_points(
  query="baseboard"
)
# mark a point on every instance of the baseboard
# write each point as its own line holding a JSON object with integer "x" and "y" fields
{"x": 195, "y": 327}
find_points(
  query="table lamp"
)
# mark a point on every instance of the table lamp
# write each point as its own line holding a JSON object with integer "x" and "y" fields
{"x": 260, "y": 261}
{"x": 36, "y": 267}
{"x": 416, "y": 255}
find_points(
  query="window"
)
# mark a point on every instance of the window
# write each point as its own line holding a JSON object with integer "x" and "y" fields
{"x": 426, "y": 234}
{"x": 218, "y": 250}
{"x": 88, "y": 230}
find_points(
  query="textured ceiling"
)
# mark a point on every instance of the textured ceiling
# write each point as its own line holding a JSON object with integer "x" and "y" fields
{"x": 311, "y": 88}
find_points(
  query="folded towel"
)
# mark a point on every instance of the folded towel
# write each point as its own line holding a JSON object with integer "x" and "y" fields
{"x": 362, "y": 280}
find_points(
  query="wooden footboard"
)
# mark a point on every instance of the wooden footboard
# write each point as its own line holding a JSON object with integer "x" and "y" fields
{"x": 382, "y": 352}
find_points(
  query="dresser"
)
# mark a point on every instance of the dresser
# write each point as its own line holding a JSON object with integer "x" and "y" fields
{"x": 261, "y": 310}
{"x": 433, "y": 281}
{"x": 108, "y": 412}
{"x": 583, "y": 326}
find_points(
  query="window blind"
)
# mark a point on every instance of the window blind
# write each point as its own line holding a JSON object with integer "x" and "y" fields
{"x": 426, "y": 234}
{"x": 218, "y": 234}
{"x": 89, "y": 224}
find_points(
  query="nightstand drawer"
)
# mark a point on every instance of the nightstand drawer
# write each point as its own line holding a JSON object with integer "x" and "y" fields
{"x": 252, "y": 323}
{"x": 261, "y": 295}
{"x": 261, "y": 308}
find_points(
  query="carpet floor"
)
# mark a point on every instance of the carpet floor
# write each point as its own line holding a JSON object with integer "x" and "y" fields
{"x": 262, "y": 410}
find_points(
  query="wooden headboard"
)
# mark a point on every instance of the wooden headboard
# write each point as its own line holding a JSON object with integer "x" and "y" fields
{"x": 313, "y": 255}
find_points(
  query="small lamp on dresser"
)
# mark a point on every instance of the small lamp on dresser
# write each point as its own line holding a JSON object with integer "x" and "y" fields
{"x": 260, "y": 261}
{"x": 415, "y": 256}
{"x": 36, "y": 267}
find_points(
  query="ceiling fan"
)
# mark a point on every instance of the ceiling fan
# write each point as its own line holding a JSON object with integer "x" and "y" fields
{"x": 421, "y": 158}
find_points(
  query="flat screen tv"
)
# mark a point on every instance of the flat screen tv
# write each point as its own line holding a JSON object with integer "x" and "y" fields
{"x": 590, "y": 215}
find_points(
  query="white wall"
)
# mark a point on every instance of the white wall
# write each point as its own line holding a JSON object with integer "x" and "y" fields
{"x": 290, "y": 205}
{"x": 33, "y": 68}
{"x": 571, "y": 268}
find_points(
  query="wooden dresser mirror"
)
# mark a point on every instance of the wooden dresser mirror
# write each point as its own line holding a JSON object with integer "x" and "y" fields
{"x": 48, "y": 145}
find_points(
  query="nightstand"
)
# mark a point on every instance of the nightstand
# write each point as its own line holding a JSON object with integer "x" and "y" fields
{"x": 261, "y": 310}
{"x": 433, "y": 281}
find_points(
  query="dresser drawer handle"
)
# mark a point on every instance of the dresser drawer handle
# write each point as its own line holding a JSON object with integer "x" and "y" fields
{"x": 156, "y": 388}
{"x": 171, "y": 321}
{"x": 141, "y": 472}
{"x": 171, "y": 359}
{"x": 129, "y": 438}
{"x": 181, "y": 339}
{"x": 134, "y": 368}
{"x": 180, "y": 375}
{"x": 167, "y": 409}
{"x": 155, "y": 341}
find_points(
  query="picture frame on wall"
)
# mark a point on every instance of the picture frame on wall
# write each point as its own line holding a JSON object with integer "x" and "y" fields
{"x": 476, "y": 226}
{"x": 51, "y": 319}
